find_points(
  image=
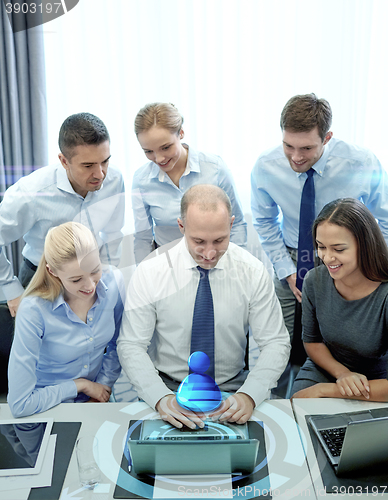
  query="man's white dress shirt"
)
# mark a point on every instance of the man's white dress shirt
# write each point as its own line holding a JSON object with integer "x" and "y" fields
{"x": 156, "y": 327}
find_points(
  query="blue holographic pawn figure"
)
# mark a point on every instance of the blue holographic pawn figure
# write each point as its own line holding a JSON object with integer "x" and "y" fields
{"x": 198, "y": 392}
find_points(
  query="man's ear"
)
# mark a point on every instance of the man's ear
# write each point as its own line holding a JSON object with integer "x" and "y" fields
{"x": 64, "y": 161}
{"x": 231, "y": 221}
{"x": 181, "y": 226}
{"x": 328, "y": 136}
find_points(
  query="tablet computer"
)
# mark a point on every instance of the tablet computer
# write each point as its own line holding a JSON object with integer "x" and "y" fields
{"x": 23, "y": 445}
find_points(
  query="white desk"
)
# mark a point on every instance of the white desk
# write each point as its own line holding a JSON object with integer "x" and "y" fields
{"x": 304, "y": 407}
{"x": 288, "y": 473}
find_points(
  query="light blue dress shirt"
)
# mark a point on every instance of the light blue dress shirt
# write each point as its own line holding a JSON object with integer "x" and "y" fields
{"x": 53, "y": 347}
{"x": 156, "y": 200}
{"x": 343, "y": 171}
{"x": 45, "y": 199}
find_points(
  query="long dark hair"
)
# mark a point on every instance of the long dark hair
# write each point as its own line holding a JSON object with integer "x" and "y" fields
{"x": 372, "y": 252}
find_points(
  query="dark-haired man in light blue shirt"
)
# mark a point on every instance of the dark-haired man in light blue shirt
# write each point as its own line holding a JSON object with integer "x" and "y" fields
{"x": 80, "y": 188}
{"x": 340, "y": 170}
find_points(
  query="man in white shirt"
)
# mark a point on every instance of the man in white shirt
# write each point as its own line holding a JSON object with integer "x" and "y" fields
{"x": 155, "y": 338}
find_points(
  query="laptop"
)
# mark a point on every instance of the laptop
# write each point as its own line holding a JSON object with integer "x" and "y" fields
{"x": 354, "y": 440}
{"x": 157, "y": 447}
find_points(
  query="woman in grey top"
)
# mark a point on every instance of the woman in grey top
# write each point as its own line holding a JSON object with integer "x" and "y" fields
{"x": 345, "y": 307}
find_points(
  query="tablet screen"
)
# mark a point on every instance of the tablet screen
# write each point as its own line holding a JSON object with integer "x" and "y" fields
{"x": 23, "y": 446}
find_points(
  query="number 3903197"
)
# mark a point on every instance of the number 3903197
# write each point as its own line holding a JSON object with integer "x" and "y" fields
{"x": 32, "y": 8}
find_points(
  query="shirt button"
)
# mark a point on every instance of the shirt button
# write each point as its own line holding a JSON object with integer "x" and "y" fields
{"x": 90, "y": 319}
{"x": 85, "y": 366}
{"x": 91, "y": 339}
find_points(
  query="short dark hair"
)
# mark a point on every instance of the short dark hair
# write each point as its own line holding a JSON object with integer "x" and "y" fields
{"x": 207, "y": 196}
{"x": 372, "y": 252}
{"x": 81, "y": 129}
{"x": 302, "y": 113}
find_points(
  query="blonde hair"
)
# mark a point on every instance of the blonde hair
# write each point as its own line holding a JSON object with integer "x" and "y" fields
{"x": 158, "y": 114}
{"x": 63, "y": 244}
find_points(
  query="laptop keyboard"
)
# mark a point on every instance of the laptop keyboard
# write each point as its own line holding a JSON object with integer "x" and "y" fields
{"x": 334, "y": 439}
{"x": 191, "y": 438}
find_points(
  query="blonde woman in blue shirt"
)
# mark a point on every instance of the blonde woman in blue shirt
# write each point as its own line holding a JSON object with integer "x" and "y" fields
{"x": 66, "y": 328}
{"x": 174, "y": 167}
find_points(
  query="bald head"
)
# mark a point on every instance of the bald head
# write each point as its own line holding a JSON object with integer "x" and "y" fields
{"x": 206, "y": 222}
{"x": 207, "y": 197}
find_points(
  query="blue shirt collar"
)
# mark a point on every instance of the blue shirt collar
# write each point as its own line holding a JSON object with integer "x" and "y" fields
{"x": 320, "y": 165}
{"x": 154, "y": 171}
{"x": 100, "y": 291}
{"x": 193, "y": 160}
{"x": 63, "y": 184}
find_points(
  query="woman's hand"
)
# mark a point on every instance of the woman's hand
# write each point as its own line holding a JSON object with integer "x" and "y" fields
{"x": 315, "y": 391}
{"x": 97, "y": 392}
{"x": 353, "y": 384}
{"x": 378, "y": 391}
{"x": 348, "y": 383}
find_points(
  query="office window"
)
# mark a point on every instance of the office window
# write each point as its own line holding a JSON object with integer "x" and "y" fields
{"x": 228, "y": 65}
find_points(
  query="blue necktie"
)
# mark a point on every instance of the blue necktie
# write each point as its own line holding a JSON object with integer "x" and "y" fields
{"x": 202, "y": 332}
{"x": 306, "y": 220}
